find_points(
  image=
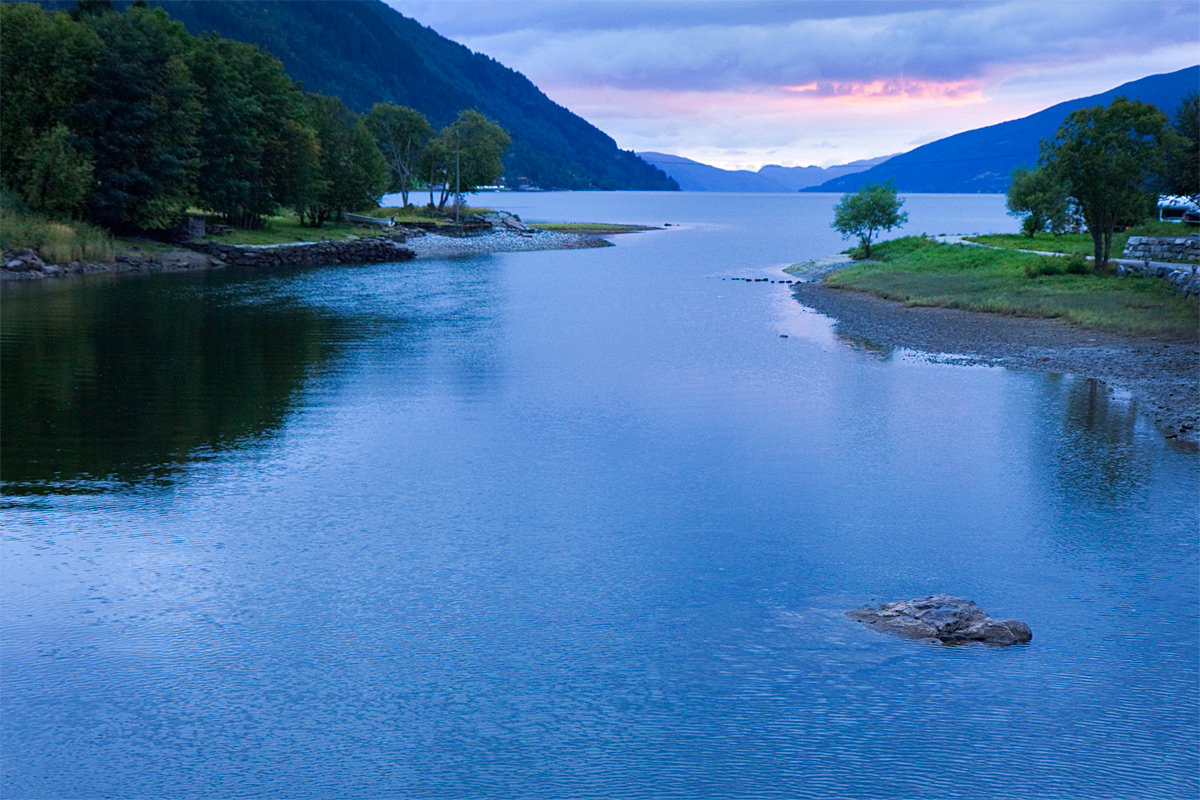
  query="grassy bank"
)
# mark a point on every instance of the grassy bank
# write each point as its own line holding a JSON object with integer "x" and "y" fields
{"x": 1078, "y": 243}
{"x": 285, "y": 228}
{"x": 920, "y": 272}
{"x": 591, "y": 228}
{"x": 55, "y": 241}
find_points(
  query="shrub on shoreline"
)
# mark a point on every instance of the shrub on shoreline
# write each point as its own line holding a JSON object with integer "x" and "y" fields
{"x": 55, "y": 241}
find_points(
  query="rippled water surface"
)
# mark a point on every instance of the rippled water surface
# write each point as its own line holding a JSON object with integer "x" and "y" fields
{"x": 572, "y": 524}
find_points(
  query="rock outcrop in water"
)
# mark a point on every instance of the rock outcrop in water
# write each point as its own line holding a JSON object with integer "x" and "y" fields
{"x": 943, "y": 618}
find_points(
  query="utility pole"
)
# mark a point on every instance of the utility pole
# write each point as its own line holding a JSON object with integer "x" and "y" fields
{"x": 457, "y": 187}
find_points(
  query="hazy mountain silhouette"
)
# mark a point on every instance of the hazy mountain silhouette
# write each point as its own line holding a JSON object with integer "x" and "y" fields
{"x": 983, "y": 160}
{"x": 693, "y": 176}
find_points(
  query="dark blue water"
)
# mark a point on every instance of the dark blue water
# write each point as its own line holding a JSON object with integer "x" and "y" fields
{"x": 573, "y": 524}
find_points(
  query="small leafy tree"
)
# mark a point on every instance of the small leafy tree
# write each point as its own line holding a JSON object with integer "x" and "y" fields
{"x": 869, "y": 211}
{"x": 1108, "y": 159}
{"x": 1037, "y": 198}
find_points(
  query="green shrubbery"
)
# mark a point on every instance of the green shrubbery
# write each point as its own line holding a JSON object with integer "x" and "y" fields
{"x": 1073, "y": 264}
{"x": 55, "y": 240}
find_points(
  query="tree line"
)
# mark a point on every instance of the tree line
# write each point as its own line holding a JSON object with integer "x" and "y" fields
{"x": 126, "y": 120}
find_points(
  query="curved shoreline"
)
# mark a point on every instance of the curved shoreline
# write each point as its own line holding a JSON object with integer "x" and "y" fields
{"x": 202, "y": 256}
{"x": 1162, "y": 376}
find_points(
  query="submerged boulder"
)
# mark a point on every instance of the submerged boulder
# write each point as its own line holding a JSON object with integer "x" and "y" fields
{"x": 947, "y": 619}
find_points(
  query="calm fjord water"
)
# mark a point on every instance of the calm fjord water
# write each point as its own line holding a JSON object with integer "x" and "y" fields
{"x": 572, "y": 524}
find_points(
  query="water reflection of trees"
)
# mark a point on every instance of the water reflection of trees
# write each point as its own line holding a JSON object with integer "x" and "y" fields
{"x": 869, "y": 347}
{"x": 1097, "y": 453}
{"x": 124, "y": 381}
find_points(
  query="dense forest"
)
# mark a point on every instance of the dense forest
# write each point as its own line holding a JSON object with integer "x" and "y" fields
{"x": 125, "y": 119}
{"x": 365, "y": 52}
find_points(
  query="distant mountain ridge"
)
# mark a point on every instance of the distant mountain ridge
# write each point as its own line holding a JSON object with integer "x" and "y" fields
{"x": 364, "y": 52}
{"x": 982, "y": 160}
{"x": 693, "y": 176}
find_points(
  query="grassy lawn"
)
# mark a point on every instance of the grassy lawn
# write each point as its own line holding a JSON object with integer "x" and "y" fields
{"x": 414, "y": 214}
{"x": 921, "y": 272}
{"x": 1079, "y": 243}
{"x": 286, "y": 228}
{"x": 593, "y": 228}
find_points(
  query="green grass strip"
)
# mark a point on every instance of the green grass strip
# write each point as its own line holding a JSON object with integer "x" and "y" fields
{"x": 920, "y": 272}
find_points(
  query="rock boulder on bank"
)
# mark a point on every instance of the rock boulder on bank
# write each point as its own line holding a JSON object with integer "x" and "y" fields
{"x": 941, "y": 617}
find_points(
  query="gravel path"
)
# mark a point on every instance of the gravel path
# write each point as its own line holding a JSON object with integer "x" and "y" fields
{"x": 1164, "y": 376}
{"x": 433, "y": 245}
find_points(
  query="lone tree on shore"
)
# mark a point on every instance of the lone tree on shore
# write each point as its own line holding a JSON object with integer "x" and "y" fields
{"x": 1108, "y": 158}
{"x": 869, "y": 211}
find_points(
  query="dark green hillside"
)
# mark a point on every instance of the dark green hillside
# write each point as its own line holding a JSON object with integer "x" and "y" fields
{"x": 365, "y": 52}
{"x": 983, "y": 160}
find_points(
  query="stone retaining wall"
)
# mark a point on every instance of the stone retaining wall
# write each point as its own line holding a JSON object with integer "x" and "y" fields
{"x": 1184, "y": 277}
{"x": 1151, "y": 248}
{"x": 1153, "y": 251}
{"x": 356, "y": 251}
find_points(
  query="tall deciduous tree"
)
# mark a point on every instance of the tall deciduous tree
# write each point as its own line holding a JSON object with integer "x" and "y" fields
{"x": 352, "y": 173}
{"x": 140, "y": 118}
{"x": 465, "y": 155}
{"x": 253, "y": 135}
{"x": 1108, "y": 158}
{"x": 45, "y": 64}
{"x": 401, "y": 134}
{"x": 871, "y": 210}
{"x": 1037, "y": 198}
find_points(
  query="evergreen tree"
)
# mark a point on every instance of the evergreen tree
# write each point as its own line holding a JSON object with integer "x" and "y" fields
{"x": 1182, "y": 176}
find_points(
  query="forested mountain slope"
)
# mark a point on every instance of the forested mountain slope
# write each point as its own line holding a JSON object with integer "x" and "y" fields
{"x": 364, "y": 52}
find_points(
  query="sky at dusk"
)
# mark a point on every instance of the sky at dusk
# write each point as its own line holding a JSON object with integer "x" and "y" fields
{"x": 795, "y": 82}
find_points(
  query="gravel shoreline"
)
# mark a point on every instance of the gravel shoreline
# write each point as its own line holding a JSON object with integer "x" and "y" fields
{"x": 1163, "y": 376}
{"x": 433, "y": 245}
